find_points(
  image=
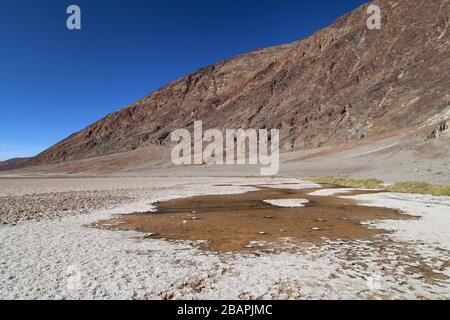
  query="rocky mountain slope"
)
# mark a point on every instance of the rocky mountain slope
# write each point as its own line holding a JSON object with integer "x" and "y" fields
{"x": 12, "y": 164}
{"x": 341, "y": 84}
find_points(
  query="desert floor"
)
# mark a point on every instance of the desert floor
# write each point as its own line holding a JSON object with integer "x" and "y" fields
{"x": 55, "y": 242}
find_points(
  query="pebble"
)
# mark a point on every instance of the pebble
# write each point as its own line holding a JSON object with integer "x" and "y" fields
{"x": 148, "y": 235}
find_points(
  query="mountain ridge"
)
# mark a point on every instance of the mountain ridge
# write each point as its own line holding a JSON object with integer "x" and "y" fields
{"x": 342, "y": 83}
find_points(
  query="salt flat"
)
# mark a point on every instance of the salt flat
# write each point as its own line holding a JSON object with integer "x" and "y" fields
{"x": 54, "y": 255}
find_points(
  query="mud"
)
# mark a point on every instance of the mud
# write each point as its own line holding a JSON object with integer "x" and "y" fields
{"x": 243, "y": 222}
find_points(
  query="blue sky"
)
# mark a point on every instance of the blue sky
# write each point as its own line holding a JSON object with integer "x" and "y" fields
{"x": 54, "y": 82}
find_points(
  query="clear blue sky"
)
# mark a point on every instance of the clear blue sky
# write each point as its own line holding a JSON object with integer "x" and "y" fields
{"x": 54, "y": 82}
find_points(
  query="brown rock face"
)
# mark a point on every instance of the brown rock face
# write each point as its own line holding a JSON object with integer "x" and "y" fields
{"x": 343, "y": 83}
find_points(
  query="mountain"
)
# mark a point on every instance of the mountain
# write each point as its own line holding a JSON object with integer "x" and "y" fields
{"x": 13, "y": 164}
{"x": 345, "y": 83}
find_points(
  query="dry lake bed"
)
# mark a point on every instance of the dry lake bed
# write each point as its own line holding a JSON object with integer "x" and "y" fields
{"x": 218, "y": 238}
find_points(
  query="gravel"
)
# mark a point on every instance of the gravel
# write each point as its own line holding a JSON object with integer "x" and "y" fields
{"x": 14, "y": 209}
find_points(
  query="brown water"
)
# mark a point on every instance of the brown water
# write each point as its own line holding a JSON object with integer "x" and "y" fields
{"x": 233, "y": 222}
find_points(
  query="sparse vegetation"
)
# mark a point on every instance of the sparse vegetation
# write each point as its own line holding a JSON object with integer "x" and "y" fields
{"x": 403, "y": 187}
{"x": 420, "y": 188}
{"x": 351, "y": 183}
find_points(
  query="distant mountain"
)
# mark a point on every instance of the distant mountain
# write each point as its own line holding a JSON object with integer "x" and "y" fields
{"x": 13, "y": 164}
{"x": 343, "y": 83}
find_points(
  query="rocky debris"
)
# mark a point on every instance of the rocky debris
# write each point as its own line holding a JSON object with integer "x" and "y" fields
{"x": 442, "y": 128}
{"x": 343, "y": 83}
{"x": 14, "y": 209}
